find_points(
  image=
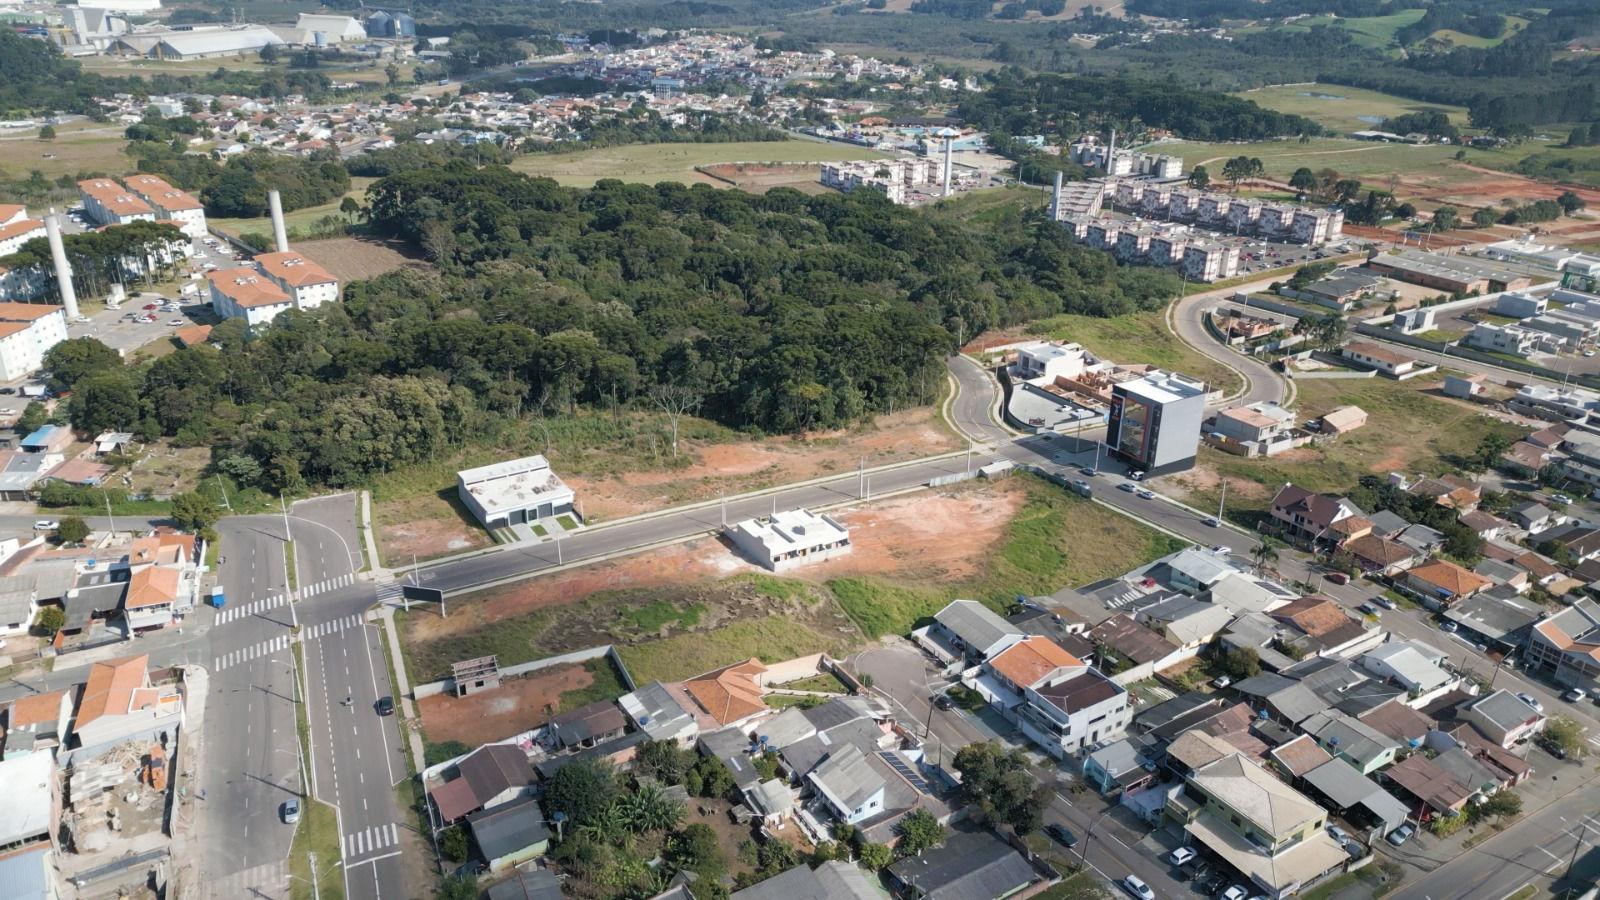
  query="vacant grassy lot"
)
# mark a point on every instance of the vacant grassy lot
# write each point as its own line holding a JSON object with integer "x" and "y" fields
{"x": 302, "y": 219}
{"x": 1139, "y": 338}
{"x": 1407, "y": 430}
{"x": 86, "y": 148}
{"x": 1343, "y": 108}
{"x": 651, "y": 163}
{"x": 1372, "y": 31}
{"x": 770, "y": 639}
{"x": 1056, "y": 540}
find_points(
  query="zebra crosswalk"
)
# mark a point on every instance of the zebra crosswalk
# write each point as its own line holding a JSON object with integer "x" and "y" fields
{"x": 265, "y": 881}
{"x": 253, "y": 652}
{"x": 312, "y": 632}
{"x": 326, "y": 585}
{"x": 233, "y": 613}
{"x": 370, "y": 840}
{"x": 388, "y": 593}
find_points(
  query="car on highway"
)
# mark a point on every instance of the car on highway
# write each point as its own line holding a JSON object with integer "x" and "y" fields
{"x": 1135, "y": 885}
{"x": 1562, "y": 499}
{"x": 1337, "y": 577}
{"x": 943, "y": 701}
{"x": 1212, "y": 521}
{"x": 1383, "y": 601}
{"x": 1532, "y": 701}
{"x": 1061, "y": 834}
{"x": 385, "y": 706}
{"x": 290, "y": 810}
{"x": 1088, "y": 470}
{"x": 46, "y": 525}
{"x": 174, "y": 323}
{"x": 1449, "y": 627}
{"x": 1128, "y": 486}
{"x": 1575, "y": 695}
{"x": 1146, "y": 494}
{"x": 1367, "y": 609}
{"x": 1400, "y": 835}
{"x": 1181, "y": 855}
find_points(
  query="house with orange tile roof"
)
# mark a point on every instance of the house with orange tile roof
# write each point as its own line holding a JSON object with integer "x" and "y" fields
{"x": 120, "y": 704}
{"x": 1056, "y": 699}
{"x": 14, "y": 234}
{"x": 732, "y": 695}
{"x": 109, "y": 203}
{"x": 180, "y": 207}
{"x": 12, "y": 212}
{"x": 37, "y": 722}
{"x": 1441, "y": 583}
{"x": 152, "y": 597}
{"x": 1565, "y": 646}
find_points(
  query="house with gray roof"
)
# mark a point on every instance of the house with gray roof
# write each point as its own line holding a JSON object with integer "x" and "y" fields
{"x": 1503, "y": 718}
{"x": 1184, "y": 621}
{"x": 1365, "y": 747}
{"x": 510, "y": 834}
{"x": 655, "y": 710}
{"x": 970, "y": 865}
{"x": 1498, "y": 618}
{"x": 832, "y": 880}
{"x": 966, "y": 631}
{"x": 1387, "y": 524}
{"x": 1358, "y": 799}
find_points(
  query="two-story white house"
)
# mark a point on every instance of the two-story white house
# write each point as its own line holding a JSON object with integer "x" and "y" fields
{"x": 1059, "y": 701}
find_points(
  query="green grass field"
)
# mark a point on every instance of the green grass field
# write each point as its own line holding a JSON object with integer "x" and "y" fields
{"x": 1138, "y": 338}
{"x": 1406, "y": 431}
{"x": 1341, "y": 108}
{"x": 1374, "y": 31}
{"x": 85, "y": 147}
{"x": 771, "y": 639}
{"x": 651, "y": 163}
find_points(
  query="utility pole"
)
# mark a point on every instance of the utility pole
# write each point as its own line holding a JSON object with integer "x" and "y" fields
{"x": 109, "y": 514}
{"x": 861, "y": 480}
{"x": 1583, "y": 830}
{"x": 722, "y": 500}
{"x": 224, "y": 486}
{"x": 1221, "y": 500}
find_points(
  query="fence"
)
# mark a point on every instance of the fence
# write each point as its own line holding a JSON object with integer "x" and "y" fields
{"x": 577, "y": 656}
{"x": 955, "y": 478}
{"x": 1468, "y": 353}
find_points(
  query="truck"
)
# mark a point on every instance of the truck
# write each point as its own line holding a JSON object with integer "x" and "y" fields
{"x": 217, "y": 600}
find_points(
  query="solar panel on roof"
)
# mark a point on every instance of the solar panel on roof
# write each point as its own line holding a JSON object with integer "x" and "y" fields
{"x": 905, "y": 771}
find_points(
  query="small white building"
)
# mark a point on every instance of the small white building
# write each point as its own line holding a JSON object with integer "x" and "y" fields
{"x": 170, "y": 203}
{"x": 308, "y": 283}
{"x": 790, "y": 538}
{"x": 244, "y": 293}
{"x": 514, "y": 492}
{"x": 1049, "y": 360}
{"x": 1502, "y": 339}
{"x": 27, "y": 332}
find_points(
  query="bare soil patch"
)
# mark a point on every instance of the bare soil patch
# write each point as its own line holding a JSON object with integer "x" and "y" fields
{"x": 758, "y": 178}
{"x": 516, "y": 706}
{"x": 733, "y": 468}
{"x": 359, "y": 258}
{"x": 416, "y": 527}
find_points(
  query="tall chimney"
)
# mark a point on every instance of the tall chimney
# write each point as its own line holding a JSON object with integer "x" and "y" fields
{"x": 279, "y": 234}
{"x": 949, "y": 164}
{"x": 1111, "y": 151}
{"x": 58, "y": 252}
{"x": 1055, "y": 199}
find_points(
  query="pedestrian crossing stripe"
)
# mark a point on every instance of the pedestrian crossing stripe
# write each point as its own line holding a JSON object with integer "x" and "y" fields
{"x": 327, "y": 628}
{"x": 391, "y": 591}
{"x": 234, "y": 613}
{"x": 328, "y": 584}
{"x": 269, "y": 880}
{"x": 371, "y": 840}
{"x": 253, "y": 652}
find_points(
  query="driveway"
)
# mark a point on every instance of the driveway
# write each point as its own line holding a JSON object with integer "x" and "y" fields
{"x": 909, "y": 679}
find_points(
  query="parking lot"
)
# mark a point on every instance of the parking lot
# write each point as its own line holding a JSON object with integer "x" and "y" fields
{"x": 146, "y": 316}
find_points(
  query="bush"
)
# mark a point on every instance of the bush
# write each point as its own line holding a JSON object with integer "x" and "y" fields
{"x": 454, "y": 843}
{"x": 50, "y": 620}
{"x": 72, "y": 530}
{"x": 1444, "y": 826}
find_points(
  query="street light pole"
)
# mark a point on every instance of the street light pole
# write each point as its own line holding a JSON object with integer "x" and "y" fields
{"x": 1083, "y": 857}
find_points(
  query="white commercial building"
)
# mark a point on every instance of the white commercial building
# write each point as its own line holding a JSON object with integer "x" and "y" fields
{"x": 308, "y": 283}
{"x": 170, "y": 203}
{"x": 244, "y": 293}
{"x": 1502, "y": 339}
{"x": 790, "y": 538}
{"x": 1048, "y": 360}
{"x": 27, "y": 332}
{"x": 514, "y": 492}
{"x": 320, "y": 30}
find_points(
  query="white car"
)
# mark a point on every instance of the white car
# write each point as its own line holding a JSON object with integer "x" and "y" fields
{"x": 46, "y": 525}
{"x": 1532, "y": 701}
{"x": 1136, "y": 886}
{"x": 1235, "y": 893}
{"x": 1181, "y": 855}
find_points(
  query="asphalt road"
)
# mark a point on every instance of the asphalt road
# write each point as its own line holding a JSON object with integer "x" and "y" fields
{"x": 354, "y": 751}
{"x": 1186, "y": 318}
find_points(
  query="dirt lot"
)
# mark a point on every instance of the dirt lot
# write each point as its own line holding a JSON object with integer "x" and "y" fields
{"x": 516, "y": 706}
{"x": 758, "y": 179}
{"x": 753, "y": 464}
{"x": 425, "y": 527}
{"x": 354, "y": 259}
{"x": 1463, "y": 184}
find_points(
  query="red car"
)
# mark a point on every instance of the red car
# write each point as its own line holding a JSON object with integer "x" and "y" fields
{"x": 152, "y": 306}
{"x": 1338, "y": 577}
